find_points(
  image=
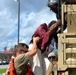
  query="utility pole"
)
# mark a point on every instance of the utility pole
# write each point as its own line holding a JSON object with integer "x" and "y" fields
{"x": 18, "y": 20}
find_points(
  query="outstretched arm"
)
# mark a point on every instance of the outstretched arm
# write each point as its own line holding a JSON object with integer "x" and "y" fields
{"x": 33, "y": 51}
{"x": 54, "y": 27}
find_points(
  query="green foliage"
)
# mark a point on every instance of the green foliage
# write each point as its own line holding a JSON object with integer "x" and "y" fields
{"x": 3, "y": 70}
{"x": 15, "y": 47}
{"x": 5, "y": 48}
{"x": 11, "y": 48}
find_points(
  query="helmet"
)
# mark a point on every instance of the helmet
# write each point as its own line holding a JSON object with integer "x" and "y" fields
{"x": 51, "y": 54}
{"x": 52, "y": 2}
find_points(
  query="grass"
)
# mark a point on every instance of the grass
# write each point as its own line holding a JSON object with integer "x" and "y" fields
{"x": 3, "y": 70}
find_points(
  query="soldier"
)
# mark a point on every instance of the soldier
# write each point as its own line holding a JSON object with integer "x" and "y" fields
{"x": 52, "y": 58}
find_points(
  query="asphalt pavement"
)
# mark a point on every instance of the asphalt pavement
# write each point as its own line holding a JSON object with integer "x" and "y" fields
{"x": 4, "y": 66}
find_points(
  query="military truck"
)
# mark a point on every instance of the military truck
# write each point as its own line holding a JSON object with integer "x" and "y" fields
{"x": 67, "y": 41}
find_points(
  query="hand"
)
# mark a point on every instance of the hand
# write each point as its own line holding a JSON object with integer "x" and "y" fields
{"x": 36, "y": 39}
{"x": 59, "y": 22}
{"x": 7, "y": 71}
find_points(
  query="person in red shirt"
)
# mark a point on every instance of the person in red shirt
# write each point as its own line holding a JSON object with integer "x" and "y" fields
{"x": 46, "y": 33}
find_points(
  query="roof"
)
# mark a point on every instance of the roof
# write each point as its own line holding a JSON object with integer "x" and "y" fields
{"x": 8, "y": 51}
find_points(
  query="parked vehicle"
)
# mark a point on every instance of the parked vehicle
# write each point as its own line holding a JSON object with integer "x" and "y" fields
{"x": 1, "y": 62}
{"x": 5, "y": 61}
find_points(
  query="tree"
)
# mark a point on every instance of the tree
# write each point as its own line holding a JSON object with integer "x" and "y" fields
{"x": 5, "y": 48}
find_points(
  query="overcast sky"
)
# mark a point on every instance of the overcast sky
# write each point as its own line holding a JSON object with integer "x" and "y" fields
{"x": 32, "y": 14}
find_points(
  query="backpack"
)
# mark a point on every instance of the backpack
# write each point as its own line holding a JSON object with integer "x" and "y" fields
{"x": 12, "y": 70}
